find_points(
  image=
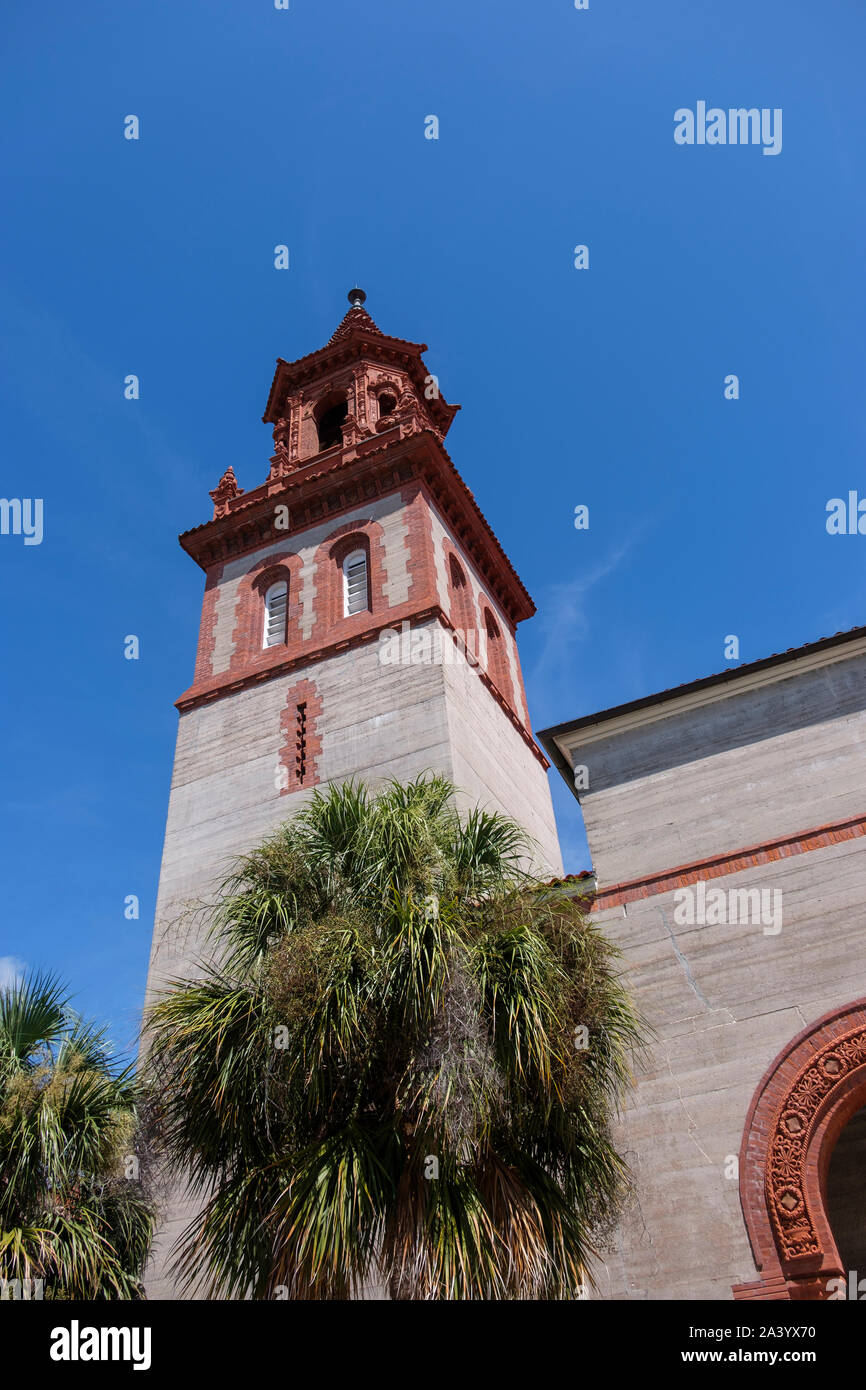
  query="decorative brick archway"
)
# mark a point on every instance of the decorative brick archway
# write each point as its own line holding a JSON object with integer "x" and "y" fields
{"x": 801, "y": 1105}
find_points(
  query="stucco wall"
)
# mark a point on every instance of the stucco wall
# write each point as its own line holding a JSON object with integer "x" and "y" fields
{"x": 724, "y": 999}
{"x": 777, "y": 759}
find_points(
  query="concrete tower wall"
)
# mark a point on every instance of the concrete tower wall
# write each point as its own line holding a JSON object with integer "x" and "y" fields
{"x": 378, "y": 721}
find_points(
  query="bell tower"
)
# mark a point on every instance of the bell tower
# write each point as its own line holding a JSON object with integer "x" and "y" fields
{"x": 359, "y": 620}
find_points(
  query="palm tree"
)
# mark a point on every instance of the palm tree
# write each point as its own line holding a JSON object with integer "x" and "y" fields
{"x": 69, "y": 1214}
{"x": 402, "y": 1066}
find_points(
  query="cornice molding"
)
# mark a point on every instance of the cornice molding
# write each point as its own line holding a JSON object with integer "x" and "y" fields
{"x": 569, "y": 741}
{"x": 345, "y": 478}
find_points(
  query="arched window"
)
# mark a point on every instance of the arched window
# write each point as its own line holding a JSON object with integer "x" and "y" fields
{"x": 330, "y": 414}
{"x": 462, "y": 605}
{"x": 355, "y": 587}
{"x": 497, "y": 659}
{"x": 276, "y": 609}
{"x": 387, "y": 404}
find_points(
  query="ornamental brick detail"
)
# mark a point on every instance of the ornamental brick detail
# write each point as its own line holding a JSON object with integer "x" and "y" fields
{"x": 787, "y": 1199}
{"x": 302, "y": 745}
{"x": 281, "y": 459}
{"x": 356, "y": 425}
{"x": 207, "y": 630}
{"x": 248, "y": 655}
{"x": 800, "y": 1107}
{"x": 225, "y": 493}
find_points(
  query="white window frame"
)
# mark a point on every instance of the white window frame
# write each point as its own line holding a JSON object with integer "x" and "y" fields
{"x": 353, "y": 591}
{"x": 276, "y": 608}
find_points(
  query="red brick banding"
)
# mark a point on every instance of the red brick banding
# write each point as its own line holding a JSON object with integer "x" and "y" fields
{"x": 277, "y": 661}
{"x": 207, "y": 627}
{"x": 717, "y": 866}
{"x": 421, "y": 561}
{"x": 513, "y": 718}
{"x": 216, "y": 688}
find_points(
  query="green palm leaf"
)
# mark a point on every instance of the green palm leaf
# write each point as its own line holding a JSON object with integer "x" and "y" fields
{"x": 69, "y": 1215}
{"x": 402, "y": 1071}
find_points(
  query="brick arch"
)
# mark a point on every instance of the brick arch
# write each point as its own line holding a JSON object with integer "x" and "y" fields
{"x": 248, "y": 651}
{"x": 386, "y": 386}
{"x": 461, "y": 601}
{"x": 498, "y": 665}
{"x": 352, "y": 535}
{"x": 802, "y": 1103}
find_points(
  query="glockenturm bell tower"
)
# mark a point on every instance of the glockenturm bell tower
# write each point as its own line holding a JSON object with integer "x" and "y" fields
{"x": 359, "y": 620}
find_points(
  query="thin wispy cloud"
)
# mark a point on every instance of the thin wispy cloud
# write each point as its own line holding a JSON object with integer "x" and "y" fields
{"x": 564, "y": 620}
{"x": 11, "y": 971}
{"x": 33, "y": 334}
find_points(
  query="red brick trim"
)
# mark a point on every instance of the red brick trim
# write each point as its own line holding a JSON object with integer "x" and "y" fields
{"x": 330, "y": 619}
{"x": 799, "y": 1109}
{"x": 468, "y": 616}
{"x": 461, "y": 600}
{"x": 514, "y": 719}
{"x": 247, "y": 650}
{"x": 764, "y": 1290}
{"x": 227, "y": 683}
{"x": 330, "y": 484}
{"x": 718, "y": 866}
{"x": 421, "y": 559}
{"x": 305, "y": 693}
{"x": 207, "y": 627}
{"x": 498, "y": 664}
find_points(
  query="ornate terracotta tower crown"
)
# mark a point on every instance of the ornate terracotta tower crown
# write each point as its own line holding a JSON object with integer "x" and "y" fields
{"x": 357, "y": 421}
{"x": 360, "y": 385}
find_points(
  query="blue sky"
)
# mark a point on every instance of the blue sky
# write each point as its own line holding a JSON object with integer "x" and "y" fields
{"x": 603, "y": 387}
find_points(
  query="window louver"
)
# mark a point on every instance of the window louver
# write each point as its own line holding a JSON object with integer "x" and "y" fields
{"x": 276, "y": 607}
{"x": 355, "y": 577}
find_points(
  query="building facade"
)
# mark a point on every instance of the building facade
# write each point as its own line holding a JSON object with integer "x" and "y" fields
{"x": 359, "y": 620}
{"x": 727, "y": 825}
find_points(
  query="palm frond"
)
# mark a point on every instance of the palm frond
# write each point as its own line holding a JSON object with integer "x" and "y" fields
{"x": 404, "y": 1066}
{"x": 68, "y": 1120}
{"x": 33, "y": 1015}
